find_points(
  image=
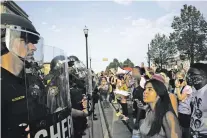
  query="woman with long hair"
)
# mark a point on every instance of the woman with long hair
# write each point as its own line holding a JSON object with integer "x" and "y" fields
{"x": 172, "y": 96}
{"x": 184, "y": 95}
{"x": 160, "y": 120}
{"x": 103, "y": 89}
{"x": 123, "y": 99}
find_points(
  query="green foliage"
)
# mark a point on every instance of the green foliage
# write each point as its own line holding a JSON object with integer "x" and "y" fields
{"x": 161, "y": 50}
{"x": 115, "y": 64}
{"x": 128, "y": 63}
{"x": 190, "y": 33}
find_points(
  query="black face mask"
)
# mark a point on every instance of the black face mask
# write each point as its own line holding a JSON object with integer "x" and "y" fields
{"x": 194, "y": 79}
{"x": 181, "y": 81}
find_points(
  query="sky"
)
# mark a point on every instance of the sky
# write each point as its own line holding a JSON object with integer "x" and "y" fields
{"x": 117, "y": 29}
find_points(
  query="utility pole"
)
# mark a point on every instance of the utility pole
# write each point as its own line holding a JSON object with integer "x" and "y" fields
{"x": 90, "y": 62}
{"x": 148, "y": 56}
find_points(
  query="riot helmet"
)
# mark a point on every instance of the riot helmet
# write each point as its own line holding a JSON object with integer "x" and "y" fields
{"x": 20, "y": 37}
{"x": 58, "y": 63}
{"x": 78, "y": 66}
{"x": 72, "y": 60}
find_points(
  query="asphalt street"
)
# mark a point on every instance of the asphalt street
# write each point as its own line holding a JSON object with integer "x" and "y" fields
{"x": 108, "y": 124}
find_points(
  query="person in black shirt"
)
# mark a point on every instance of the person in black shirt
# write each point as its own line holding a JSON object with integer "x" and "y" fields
{"x": 142, "y": 69}
{"x": 19, "y": 39}
{"x": 137, "y": 94}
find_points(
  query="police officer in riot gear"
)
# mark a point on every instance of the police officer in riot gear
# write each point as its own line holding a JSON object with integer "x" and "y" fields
{"x": 55, "y": 78}
{"x": 58, "y": 99}
{"x": 77, "y": 91}
{"x": 76, "y": 68}
{"x": 56, "y": 94}
{"x": 19, "y": 43}
{"x": 36, "y": 94}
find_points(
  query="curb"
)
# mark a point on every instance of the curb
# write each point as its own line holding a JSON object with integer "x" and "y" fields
{"x": 104, "y": 123}
{"x": 124, "y": 122}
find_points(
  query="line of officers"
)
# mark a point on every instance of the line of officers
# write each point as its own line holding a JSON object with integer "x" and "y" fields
{"x": 34, "y": 104}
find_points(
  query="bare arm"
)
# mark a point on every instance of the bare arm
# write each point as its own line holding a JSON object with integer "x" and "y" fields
{"x": 174, "y": 102}
{"x": 180, "y": 96}
{"x": 171, "y": 126}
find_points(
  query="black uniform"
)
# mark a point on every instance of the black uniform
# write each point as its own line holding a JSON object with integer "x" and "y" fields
{"x": 13, "y": 105}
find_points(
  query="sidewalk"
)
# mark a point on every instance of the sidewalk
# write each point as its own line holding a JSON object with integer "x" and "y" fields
{"x": 97, "y": 126}
{"x": 109, "y": 125}
{"x": 114, "y": 124}
{"x": 129, "y": 123}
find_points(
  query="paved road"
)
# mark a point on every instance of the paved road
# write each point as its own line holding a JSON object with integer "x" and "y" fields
{"x": 109, "y": 125}
{"x": 97, "y": 126}
{"x": 117, "y": 128}
{"x": 130, "y": 122}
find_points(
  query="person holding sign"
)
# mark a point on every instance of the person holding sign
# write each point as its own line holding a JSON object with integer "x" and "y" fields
{"x": 123, "y": 97}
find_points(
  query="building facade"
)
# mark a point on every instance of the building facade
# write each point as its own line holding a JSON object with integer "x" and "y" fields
{"x": 176, "y": 63}
{"x": 12, "y": 8}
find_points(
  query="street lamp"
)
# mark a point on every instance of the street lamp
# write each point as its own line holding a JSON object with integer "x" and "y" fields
{"x": 85, "y": 30}
{"x": 88, "y": 90}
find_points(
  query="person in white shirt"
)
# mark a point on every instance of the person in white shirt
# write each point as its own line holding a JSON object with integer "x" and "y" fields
{"x": 197, "y": 77}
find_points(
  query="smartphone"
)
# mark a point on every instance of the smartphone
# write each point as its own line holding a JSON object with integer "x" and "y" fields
{"x": 137, "y": 100}
{"x": 181, "y": 81}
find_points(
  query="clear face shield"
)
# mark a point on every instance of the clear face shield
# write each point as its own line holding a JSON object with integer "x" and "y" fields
{"x": 80, "y": 69}
{"x": 58, "y": 82}
{"x": 25, "y": 45}
{"x": 52, "y": 116}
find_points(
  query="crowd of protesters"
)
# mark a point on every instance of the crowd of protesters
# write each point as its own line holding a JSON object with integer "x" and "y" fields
{"x": 166, "y": 104}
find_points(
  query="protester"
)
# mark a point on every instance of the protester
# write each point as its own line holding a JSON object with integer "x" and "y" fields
{"x": 142, "y": 69}
{"x": 137, "y": 95}
{"x": 103, "y": 89}
{"x": 166, "y": 79}
{"x": 184, "y": 93}
{"x": 171, "y": 81}
{"x": 173, "y": 98}
{"x": 197, "y": 78}
{"x": 123, "y": 99}
{"x": 161, "y": 120}
{"x": 168, "y": 114}
{"x": 112, "y": 81}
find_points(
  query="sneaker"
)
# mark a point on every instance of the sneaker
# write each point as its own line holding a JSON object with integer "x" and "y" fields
{"x": 125, "y": 118}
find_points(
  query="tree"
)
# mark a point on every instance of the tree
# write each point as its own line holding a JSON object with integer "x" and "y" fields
{"x": 128, "y": 63}
{"x": 115, "y": 64}
{"x": 161, "y": 50}
{"x": 121, "y": 64}
{"x": 190, "y": 33}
